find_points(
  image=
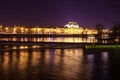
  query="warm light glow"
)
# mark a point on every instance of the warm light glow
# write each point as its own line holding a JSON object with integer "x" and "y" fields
{"x": 6, "y": 28}
{"x": 23, "y": 60}
{"x": 35, "y": 58}
{"x": 23, "y": 47}
{"x": 26, "y": 29}
{"x": 14, "y": 47}
{"x": 14, "y": 29}
{"x": 72, "y": 25}
{"x": 22, "y": 30}
{"x": 6, "y": 61}
{"x": 70, "y": 28}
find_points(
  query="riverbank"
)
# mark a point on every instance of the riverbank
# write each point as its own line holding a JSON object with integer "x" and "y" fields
{"x": 102, "y": 46}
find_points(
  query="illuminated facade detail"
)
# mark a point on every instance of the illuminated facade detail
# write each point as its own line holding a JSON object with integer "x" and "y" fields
{"x": 70, "y": 28}
{"x": 1, "y": 29}
{"x": 72, "y": 25}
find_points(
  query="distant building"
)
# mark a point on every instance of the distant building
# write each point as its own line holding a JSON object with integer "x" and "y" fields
{"x": 72, "y": 25}
{"x": 69, "y": 28}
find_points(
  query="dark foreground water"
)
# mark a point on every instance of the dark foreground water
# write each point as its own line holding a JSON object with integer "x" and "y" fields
{"x": 59, "y": 64}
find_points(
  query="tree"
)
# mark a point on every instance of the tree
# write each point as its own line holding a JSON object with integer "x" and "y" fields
{"x": 99, "y": 28}
{"x": 115, "y": 32}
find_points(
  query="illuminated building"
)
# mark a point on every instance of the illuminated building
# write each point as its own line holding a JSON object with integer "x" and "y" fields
{"x": 72, "y": 25}
{"x": 70, "y": 28}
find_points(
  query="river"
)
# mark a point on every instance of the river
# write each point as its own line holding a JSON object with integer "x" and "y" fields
{"x": 59, "y": 64}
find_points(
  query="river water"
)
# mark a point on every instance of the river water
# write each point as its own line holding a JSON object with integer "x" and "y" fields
{"x": 59, "y": 64}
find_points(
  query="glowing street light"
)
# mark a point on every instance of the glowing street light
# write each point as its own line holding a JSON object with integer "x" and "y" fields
{"x": 14, "y": 30}
{"x": 22, "y": 30}
{"x": 6, "y": 29}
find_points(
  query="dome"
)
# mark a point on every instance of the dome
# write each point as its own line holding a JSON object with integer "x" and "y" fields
{"x": 72, "y": 25}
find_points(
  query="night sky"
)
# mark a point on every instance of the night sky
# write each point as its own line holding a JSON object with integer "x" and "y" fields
{"x": 54, "y": 12}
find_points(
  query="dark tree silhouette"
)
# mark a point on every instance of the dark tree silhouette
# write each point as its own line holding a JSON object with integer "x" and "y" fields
{"x": 115, "y": 32}
{"x": 100, "y": 28}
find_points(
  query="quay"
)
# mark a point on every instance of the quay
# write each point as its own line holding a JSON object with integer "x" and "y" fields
{"x": 59, "y": 44}
{"x": 70, "y": 35}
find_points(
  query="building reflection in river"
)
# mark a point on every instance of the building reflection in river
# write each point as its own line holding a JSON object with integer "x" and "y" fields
{"x": 72, "y": 64}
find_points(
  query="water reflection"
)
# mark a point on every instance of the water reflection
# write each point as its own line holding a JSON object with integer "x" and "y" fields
{"x": 6, "y": 60}
{"x": 98, "y": 65}
{"x": 14, "y": 60}
{"x": 105, "y": 56}
{"x": 54, "y": 64}
{"x": 23, "y": 60}
{"x": 35, "y": 57}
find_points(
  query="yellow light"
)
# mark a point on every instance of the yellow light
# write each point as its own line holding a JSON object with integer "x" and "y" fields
{"x": 26, "y": 29}
{"x": 38, "y": 29}
{"x": 6, "y": 28}
{"x": 22, "y": 28}
{"x": 14, "y": 47}
{"x": 14, "y": 29}
{"x": 116, "y": 40}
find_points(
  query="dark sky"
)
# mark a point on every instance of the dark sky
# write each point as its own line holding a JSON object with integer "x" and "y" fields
{"x": 54, "y": 12}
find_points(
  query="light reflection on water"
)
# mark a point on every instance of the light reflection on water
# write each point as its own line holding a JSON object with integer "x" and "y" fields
{"x": 54, "y": 64}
